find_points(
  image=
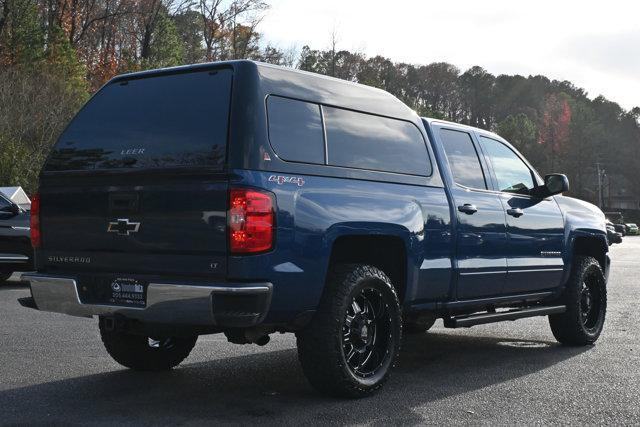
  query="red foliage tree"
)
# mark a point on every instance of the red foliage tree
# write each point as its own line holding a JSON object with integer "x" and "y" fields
{"x": 554, "y": 126}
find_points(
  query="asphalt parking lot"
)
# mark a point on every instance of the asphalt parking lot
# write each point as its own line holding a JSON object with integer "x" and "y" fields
{"x": 53, "y": 369}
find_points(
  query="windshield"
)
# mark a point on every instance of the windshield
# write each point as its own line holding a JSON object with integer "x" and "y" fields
{"x": 154, "y": 122}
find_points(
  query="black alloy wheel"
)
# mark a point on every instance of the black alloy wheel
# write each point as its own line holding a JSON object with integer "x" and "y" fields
{"x": 367, "y": 337}
{"x": 353, "y": 340}
{"x": 590, "y": 302}
{"x": 585, "y": 296}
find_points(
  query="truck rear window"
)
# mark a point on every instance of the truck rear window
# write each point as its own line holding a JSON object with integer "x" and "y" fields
{"x": 153, "y": 122}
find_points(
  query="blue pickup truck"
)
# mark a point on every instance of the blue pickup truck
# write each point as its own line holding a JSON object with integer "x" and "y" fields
{"x": 248, "y": 199}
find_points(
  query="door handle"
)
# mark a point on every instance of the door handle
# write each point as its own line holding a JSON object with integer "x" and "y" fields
{"x": 468, "y": 209}
{"x": 515, "y": 212}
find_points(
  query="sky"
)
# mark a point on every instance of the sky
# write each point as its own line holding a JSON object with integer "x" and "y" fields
{"x": 593, "y": 44}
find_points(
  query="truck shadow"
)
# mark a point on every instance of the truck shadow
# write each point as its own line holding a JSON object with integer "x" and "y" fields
{"x": 269, "y": 387}
{"x": 12, "y": 286}
{"x": 14, "y": 282}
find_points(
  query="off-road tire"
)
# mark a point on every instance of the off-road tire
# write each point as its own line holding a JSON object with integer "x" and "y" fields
{"x": 571, "y": 327}
{"x": 321, "y": 344}
{"x": 135, "y": 352}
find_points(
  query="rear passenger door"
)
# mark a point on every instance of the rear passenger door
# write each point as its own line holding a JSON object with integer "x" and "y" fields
{"x": 481, "y": 239}
{"x": 535, "y": 226}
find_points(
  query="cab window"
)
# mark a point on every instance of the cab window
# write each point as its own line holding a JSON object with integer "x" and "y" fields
{"x": 512, "y": 174}
{"x": 463, "y": 159}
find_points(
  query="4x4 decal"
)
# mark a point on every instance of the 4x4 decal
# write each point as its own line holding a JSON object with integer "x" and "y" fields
{"x": 281, "y": 179}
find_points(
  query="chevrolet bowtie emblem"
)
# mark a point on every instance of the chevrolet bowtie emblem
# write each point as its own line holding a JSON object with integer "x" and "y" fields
{"x": 123, "y": 227}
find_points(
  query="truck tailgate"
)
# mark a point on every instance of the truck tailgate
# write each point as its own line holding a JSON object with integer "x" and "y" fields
{"x": 164, "y": 227}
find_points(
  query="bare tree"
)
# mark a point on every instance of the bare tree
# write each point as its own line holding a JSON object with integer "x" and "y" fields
{"x": 333, "y": 50}
{"x": 148, "y": 17}
{"x": 230, "y": 28}
{"x": 211, "y": 17}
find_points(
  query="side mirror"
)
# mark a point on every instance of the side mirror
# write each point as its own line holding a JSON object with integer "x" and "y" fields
{"x": 555, "y": 183}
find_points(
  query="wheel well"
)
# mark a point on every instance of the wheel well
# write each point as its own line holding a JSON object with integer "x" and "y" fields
{"x": 589, "y": 246}
{"x": 387, "y": 253}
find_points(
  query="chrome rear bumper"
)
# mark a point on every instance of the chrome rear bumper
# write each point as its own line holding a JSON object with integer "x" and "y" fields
{"x": 169, "y": 303}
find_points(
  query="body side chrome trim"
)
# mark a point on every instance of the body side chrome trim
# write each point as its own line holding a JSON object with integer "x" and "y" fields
{"x": 534, "y": 270}
{"x": 512, "y": 270}
{"x": 474, "y": 273}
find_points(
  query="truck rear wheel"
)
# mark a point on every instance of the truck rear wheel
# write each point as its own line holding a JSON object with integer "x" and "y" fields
{"x": 142, "y": 353}
{"x": 585, "y": 296}
{"x": 354, "y": 338}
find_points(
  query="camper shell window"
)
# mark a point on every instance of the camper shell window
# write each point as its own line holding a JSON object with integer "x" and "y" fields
{"x": 159, "y": 121}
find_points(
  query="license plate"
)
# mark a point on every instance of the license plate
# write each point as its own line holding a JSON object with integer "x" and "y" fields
{"x": 127, "y": 291}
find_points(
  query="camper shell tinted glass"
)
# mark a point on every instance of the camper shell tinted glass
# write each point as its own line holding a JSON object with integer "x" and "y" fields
{"x": 307, "y": 132}
{"x": 295, "y": 130}
{"x": 159, "y": 121}
{"x": 364, "y": 141}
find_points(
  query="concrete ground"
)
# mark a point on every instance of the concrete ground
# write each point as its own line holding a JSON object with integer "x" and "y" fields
{"x": 53, "y": 369}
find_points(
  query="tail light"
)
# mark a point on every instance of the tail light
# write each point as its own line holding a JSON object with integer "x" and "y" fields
{"x": 36, "y": 235}
{"x": 251, "y": 220}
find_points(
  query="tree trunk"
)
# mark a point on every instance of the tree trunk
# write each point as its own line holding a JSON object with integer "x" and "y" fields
{"x": 4, "y": 12}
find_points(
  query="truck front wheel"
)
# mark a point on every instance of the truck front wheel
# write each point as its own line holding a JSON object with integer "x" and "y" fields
{"x": 354, "y": 338}
{"x": 142, "y": 353}
{"x": 585, "y": 296}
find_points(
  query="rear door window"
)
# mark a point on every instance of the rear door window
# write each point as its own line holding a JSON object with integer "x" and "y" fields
{"x": 364, "y": 141}
{"x": 463, "y": 159}
{"x": 160, "y": 121}
{"x": 295, "y": 130}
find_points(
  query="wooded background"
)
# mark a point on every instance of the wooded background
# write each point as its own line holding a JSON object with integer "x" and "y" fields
{"x": 55, "y": 53}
